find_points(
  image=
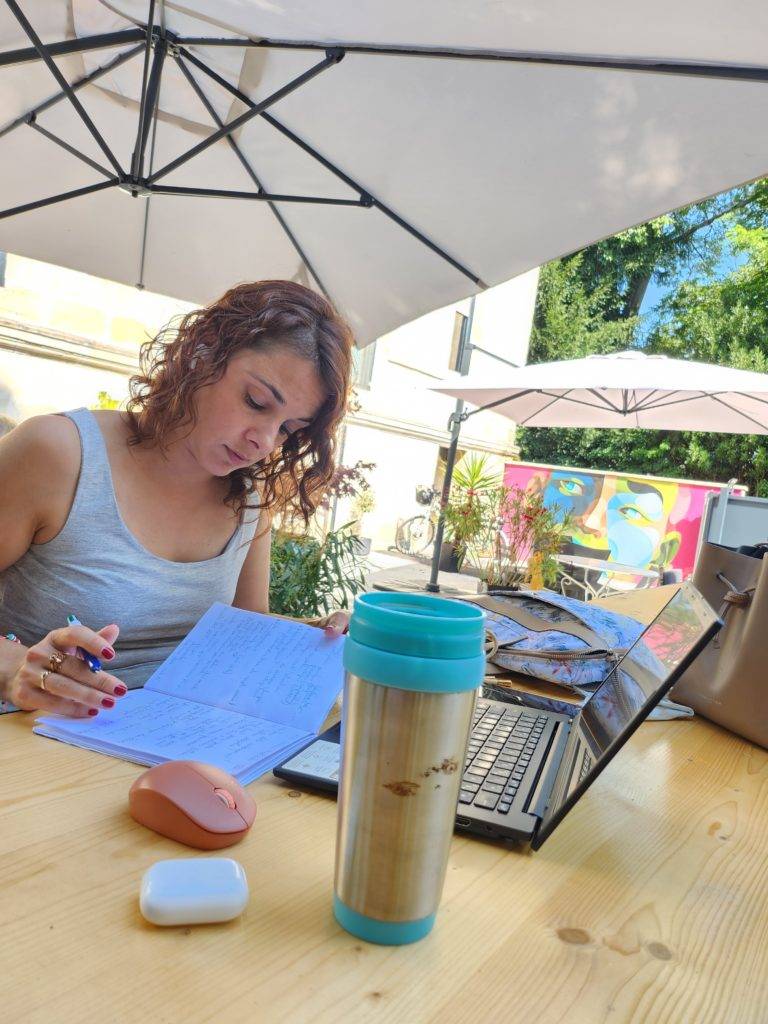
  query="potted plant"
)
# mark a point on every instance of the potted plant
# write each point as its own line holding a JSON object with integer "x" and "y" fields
{"x": 464, "y": 521}
{"x": 363, "y": 504}
{"x": 465, "y": 514}
{"x": 518, "y": 541}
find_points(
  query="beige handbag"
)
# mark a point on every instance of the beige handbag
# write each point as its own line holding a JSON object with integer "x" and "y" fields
{"x": 728, "y": 682}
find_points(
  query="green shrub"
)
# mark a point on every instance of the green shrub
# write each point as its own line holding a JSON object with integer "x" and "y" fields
{"x": 310, "y": 577}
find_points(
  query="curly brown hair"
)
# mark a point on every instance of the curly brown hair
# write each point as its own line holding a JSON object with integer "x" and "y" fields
{"x": 292, "y": 480}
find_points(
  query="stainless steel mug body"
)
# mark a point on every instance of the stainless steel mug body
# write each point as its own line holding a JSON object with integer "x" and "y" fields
{"x": 402, "y": 763}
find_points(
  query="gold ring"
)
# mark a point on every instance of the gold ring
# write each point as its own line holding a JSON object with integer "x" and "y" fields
{"x": 55, "y": 661}
{"x": 43, "y": 676}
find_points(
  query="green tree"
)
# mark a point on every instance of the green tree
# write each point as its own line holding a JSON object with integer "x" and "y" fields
{"x": 588, "y": 302}
{"x": 667, "y": 249}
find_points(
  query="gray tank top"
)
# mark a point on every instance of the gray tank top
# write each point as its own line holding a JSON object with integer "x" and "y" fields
{"x": 95, "y": 569}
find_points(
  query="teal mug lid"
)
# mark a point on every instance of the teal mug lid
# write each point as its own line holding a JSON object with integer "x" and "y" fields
{"x": 419, "y": 625}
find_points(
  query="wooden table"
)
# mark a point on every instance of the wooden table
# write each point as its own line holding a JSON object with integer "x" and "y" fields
{"x": 649, "y": 904}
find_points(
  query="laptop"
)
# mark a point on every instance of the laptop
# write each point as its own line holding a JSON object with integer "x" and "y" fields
{"x": 530, "y": 760}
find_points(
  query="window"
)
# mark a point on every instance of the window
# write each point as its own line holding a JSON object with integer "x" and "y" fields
{"x": 362, "y": 362}
{"x": 458, "y": 359}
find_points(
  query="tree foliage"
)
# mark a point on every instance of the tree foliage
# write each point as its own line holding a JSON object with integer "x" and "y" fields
{"x": 713, "y": 259}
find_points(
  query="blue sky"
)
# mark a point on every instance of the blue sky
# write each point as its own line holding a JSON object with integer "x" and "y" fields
{"x": 656, "y": 293}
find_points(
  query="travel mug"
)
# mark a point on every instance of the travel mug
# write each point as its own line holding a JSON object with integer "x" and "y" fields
{"x": 413, "y": 664}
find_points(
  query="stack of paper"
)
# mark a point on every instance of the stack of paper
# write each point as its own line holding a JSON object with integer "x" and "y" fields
{"x": 242, "y": 691}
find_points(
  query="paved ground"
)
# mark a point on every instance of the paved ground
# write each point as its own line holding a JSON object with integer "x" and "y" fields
{"x": 378, "y": 560}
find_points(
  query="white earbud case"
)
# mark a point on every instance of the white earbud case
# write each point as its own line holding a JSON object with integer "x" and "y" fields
{"x": 195, "y": 890}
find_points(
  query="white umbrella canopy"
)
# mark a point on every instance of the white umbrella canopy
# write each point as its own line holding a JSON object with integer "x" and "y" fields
{"x": 626, "y": 389}
{"x": 471, "y": 141}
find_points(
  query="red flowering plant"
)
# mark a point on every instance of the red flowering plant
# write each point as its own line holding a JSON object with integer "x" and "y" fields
{"x": 518, "y": 541}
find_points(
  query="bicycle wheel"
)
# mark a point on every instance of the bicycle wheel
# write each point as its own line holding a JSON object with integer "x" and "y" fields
{"x": 414, "y": 535}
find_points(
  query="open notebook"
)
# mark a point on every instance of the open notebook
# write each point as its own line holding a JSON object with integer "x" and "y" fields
{"x": 242, "y": 691}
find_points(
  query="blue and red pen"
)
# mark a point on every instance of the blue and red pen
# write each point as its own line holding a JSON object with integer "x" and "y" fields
{"x": 93, "y": 663}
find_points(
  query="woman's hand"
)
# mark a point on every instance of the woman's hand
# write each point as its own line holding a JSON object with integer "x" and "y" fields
{"x": 52, "y": 678}
{"x": 336, "y": 624}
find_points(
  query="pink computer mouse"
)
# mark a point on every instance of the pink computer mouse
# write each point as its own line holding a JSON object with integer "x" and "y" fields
{"x": 194, "y": 803}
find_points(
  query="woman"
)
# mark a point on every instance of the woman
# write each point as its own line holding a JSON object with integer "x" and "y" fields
{"x": 137, "y": 522}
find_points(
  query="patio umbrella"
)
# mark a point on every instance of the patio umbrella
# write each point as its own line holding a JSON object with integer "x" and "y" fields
{"x": 397, "y": 156}
{"x": 626, "y": 389}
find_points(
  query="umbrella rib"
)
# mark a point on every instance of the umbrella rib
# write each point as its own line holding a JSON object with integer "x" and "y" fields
{"x": 639, "y": 405}
{"x": 51, "y": 65}
{"x": 39, "y": 203}
{"x": 331, "y": 59}
{"x": 70, "y": 149}
{"x": 221, "y": 193}
{"x": 514, "y": 395}
{"x": 649, "y": 65}
{"x": 580, "y": 401}
{"x": 98, "y": 42}
{"x": 662, "y": 403}
{"x": 373, "y": 201}
{"x": 85, "y": 80}
{"x": 739, "y": 412}
{"x": 249, "y": 171}
{"x": 750, "y": 395}
{"x": 500, "y": 401}
{"x": 608, "y": 404}
{"x": 544, "y": 408}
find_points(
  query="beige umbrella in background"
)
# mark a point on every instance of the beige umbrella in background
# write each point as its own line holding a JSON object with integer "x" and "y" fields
{"x": 625, "y": 389}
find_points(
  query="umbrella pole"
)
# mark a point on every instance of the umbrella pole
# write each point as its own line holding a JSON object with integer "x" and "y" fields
{"x": 457, "y": 417}
{"x": 454, "y": 425}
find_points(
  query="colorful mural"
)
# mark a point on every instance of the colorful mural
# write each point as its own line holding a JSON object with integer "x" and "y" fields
{"x": 640, "y": 521}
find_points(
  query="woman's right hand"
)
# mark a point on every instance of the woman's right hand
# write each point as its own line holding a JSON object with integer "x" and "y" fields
{"x": 72, "y": 689}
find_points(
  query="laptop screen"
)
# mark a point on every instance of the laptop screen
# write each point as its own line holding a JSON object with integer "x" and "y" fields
{"x": 626, "y": 696}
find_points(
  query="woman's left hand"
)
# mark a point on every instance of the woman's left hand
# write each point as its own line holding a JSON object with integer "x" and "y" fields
{"x": 336, "y": 624}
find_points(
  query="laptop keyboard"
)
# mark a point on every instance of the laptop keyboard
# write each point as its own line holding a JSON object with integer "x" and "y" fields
{"x": 586, "y": 764}
{"x": 500, "y": 749}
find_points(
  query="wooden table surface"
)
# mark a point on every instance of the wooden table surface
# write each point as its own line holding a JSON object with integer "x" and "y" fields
{"x": 649, "y": 904}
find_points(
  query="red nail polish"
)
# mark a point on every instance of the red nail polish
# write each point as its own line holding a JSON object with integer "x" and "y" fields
{"x": 120, "y": 690}
{"x": 108, "y": 702}
{"x": 93, "y": 711}
{"x": 108, "y": 653}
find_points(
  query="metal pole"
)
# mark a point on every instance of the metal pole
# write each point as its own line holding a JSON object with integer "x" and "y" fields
{"x": 150, "y": 94}
{"x": 642, "y": 65}
{"x": 265, "y": 197}
{"x": 457, "y": 418}
{"x": 106, "y": 39}
{"x": 74, "y": 194}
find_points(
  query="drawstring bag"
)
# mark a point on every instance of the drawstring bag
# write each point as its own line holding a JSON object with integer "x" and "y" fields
{"x": 727, "y": 682}
{"x": 545, "y": 635}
